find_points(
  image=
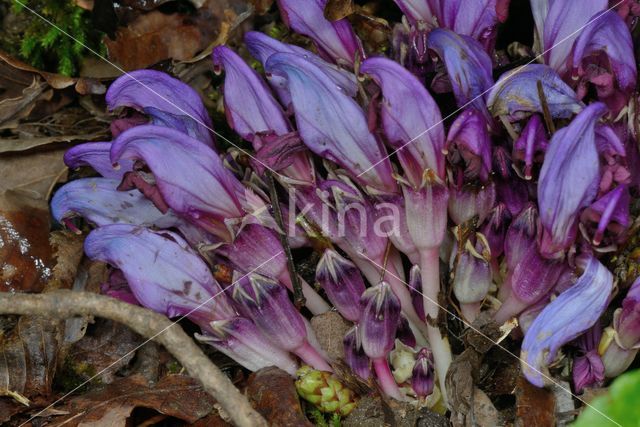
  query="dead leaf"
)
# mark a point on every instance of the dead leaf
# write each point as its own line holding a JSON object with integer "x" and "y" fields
{"x": 534, "y": 406}
{"x": 175, "y": 396}
{"x": 155, "y": 37}
{"x": 28, "y": 356}
{"x": 67, "y": 251}
{"x": 106, "y": 344}
{"x": 262, "y": 6}
{"x": 57, "y": 81}
{"x": 338, "y": 9}
{"x": 271, "y": 392}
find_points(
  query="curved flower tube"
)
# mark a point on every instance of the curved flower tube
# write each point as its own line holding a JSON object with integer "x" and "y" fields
{"x": 610, "y": 213}
{"x": 335, "y": 40}
{"x": 154, "y": 93}
{"x": 261, "y": 47}
{"x": 469, "y": 145}
{"x": 515, "y": 94}
{"x": 253, "y": 112}
{"x": 332, "y": 124}
{"x": 163, "y": 273}
{"x": 410, "y": 118}
{"x": 564, "y": 319}
{"x": 531, "y": 145}
{"x": 189, "y": 176}
{"x": 96, "y": 155}
{"x": 98, "y": 201}
{"x": 239, "y": 339}
{"x": 568, "y": 180}
{"x": 468, "y": 66}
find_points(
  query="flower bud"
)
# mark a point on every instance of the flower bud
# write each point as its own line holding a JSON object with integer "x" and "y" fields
{"x": 426, "y": 210}
{"x": 379, "y": 321}
{"x": 268, "y": 305}
{"x": 472, "y": 276}
{"x": 588, "y": 369}
{"x": 343, "y": 283}
{"x": 423, "y": 376}
{"x": 239, "y": 339}
{"x": 325, "y": 391}
{"x": 495, "y": 229}
{"x": 469, "y": 145}
{"x": 354, "y": 354}
{"x": 415, "y": 288}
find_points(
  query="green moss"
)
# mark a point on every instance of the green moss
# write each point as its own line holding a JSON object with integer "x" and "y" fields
{"x": 174, "y": 367}
{"x": 73, "y": 374}
{"x": 50, "y": 45}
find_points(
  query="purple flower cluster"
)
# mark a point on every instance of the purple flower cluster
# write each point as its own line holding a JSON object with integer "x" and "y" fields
{"x": 373, "y": 178}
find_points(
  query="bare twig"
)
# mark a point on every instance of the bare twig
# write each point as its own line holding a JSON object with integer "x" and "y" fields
{"x": 298, "y": 297}
{"x": 65, "y": 304}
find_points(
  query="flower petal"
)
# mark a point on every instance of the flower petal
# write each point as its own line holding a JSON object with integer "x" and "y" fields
{"x": 96, "y": 155}
{"x": 564, "y": 319}
{"x": 516, "y": 93}
{"x": 332, "y": 124}
{"x": 168, "y": 101}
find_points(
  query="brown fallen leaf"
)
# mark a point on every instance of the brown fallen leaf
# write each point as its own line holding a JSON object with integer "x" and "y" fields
{"x": 338, "y": 9}
{"x": 106, "y": 344}
{"x": 272, "y": 393}
{"x": 155, "y": 37}
{"x": 175, "y": 396}
{"x": 57, "y": 81}
{"x": 534, "y": 406}
{"x": 28, "y": 357}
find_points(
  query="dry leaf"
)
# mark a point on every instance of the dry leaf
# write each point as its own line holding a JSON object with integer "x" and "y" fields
{"x": 176, "y": 396}
{"x": 338, "y": 9}
{"x": 534, "y": 406}
{"x": 107, "y": 344}
{"x": 28, "y": 356}
{"x": 155, "y": 37}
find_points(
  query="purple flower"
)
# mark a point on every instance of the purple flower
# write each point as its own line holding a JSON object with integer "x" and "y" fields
{"x": 253, "y": 112}
{"x": 588, "y": 369}
{"x": 343, "y": 283}
{"x": 332, "y": 124}
{"x": 423, "y": 375}
{"x": 565, "y": 318}
{"x": 531, "y": 145}
{"x": 469, "y": 145}
{"x": 98, "y": 201}
{"x": 472, "y": 275}
{"x": 117, "y": 287}
{"x": 239, "y": 339}
{"x": 515, "y": 94}
{"x": 468, "y": 201}
{"x": 495, "y": 229}
{"x": 568, "y": 180}
{"x": 603, "y": 55}
{"x": 96, "y": 155}
{"x": 467, "y": 64}
{"x": 521, "y": 234}
{"x": 354, "y": 355}
{"x": 609, "y": 212}
{"x": 404, "y": 333}
{"x": 563, "y": 23}
{"x": 335, "y": 40}
{"x": 426, "y": 210}
{"x": 410, "y": 118}
{"x": 419, "y": 10}
{"x": 164, "y": 274}
{"x": 189, "y": 177}
{"x": 379, "y": 321}
{"x": 261, "y": 47}
{"x": 415, "y": 287}
{"x": 377, "y": 328}
{"x": 474, "y": 18}
{"x": 626, "y": 320}
{"x": 156, "y": 94}
{"x": 268, "y": 305}
{"x": 248, "y": 104}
